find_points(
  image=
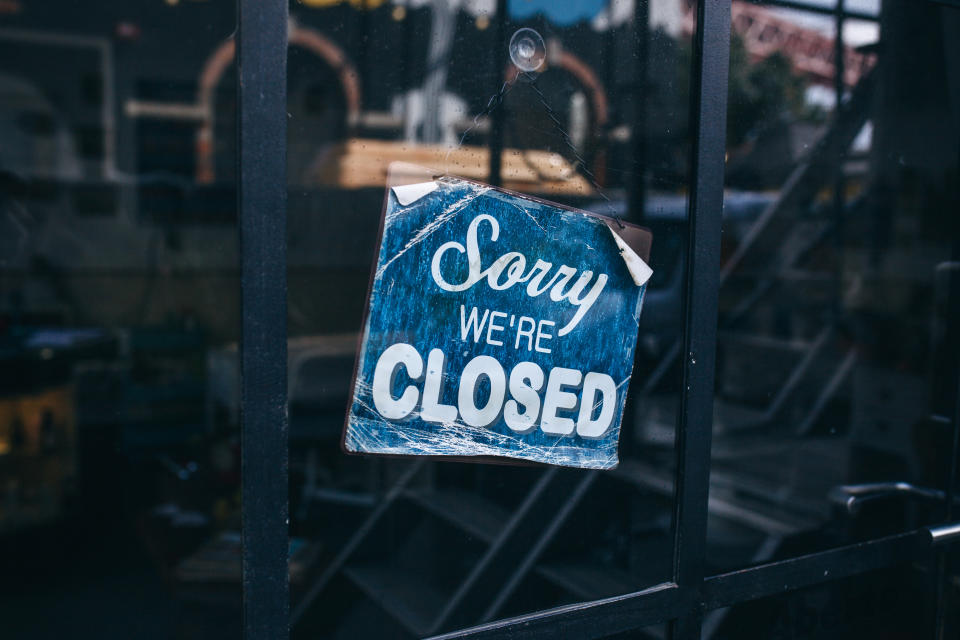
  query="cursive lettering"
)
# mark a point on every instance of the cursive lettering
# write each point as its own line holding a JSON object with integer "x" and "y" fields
{"x": 511, "y": 269}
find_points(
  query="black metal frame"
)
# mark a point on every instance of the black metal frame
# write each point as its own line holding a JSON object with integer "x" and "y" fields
{"x": 826, "y": 11}
{"x": 261, "y": 66}
{"x": 261, "y": 69}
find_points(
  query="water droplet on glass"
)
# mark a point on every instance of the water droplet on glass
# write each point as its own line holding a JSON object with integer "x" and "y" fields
{"x": 527, "y": 49}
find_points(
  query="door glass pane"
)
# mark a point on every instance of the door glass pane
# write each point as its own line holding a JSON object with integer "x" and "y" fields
{"x": 895, "y": 603}
{"x": 652, "y": 632}
{"x": 118, "y": 295}
{"x": 411, "y": 547}
{"x": 836, "y": 364}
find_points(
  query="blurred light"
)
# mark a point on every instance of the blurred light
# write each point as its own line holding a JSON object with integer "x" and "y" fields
{"x": 171, "y": 2}
{"x": 356, "y": 4}
{"x": 399, "y": 13}
{"x": 127, "y": 30}
{"x": 482, "y": 22}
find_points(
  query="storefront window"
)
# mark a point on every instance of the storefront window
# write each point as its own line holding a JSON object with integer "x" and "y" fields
{"x": 596, "y": 127}
{"x": 834, "y": 381}
{"x": 118, "y": 293}
{"x": 788, "y": 454}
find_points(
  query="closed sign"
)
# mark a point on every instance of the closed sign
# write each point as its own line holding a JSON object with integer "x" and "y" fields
{"x": 497, "y": 325}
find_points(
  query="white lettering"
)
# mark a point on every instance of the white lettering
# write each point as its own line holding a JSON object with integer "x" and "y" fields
{"x": 513, "y": 264}
{"x": 526, "y": 380}
{"x": 583, "y": 304}
{"x": 533, "y": 287}
{"x": 395, "y": 356}
{"x": 520, "y": 409}
{"x": 592, "y": 384}
{"x": 543, "y": 335}
{"x": 492, "y": 326}
{"x": 556, "y": 398}
{"x": 468, "y": 324}
{"x": 472, "y": 251}
{"x": 466, "y": 401}
{"x": 432, "y": 410}
{"x": 528, "y": 332}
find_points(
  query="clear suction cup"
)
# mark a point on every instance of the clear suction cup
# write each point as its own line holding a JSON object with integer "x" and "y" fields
{"x": 527, "y": 50}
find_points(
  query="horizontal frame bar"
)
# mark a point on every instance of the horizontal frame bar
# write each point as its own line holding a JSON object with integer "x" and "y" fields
{"x": 945, "y": 534}
{"x": 805, "y": 571}
{"x": 588, "y": 619}
{"x": 825, "y": 11}
{"x": 669, "y": 601}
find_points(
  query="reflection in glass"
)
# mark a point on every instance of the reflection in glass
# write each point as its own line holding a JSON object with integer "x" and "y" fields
{"x": 895, "y": 603}
{"x": 118, "y": 283}
{"x": 832, "y": 379}
{"x": 410, "y": 548}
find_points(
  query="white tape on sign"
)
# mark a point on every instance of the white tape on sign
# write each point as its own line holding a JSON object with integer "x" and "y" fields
{"x": 639, "y": 270}
{"x": 410, "y": 193}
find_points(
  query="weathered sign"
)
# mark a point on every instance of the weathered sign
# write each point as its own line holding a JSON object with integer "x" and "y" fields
{"x": 497, "y": 325}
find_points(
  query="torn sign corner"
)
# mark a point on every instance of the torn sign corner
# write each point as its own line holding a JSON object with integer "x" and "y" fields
{"x": 410, "y": 193}
{"x": 639, "y": 270}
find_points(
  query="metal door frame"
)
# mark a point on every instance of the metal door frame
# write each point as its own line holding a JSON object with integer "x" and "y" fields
{"x": 683, "y": 601}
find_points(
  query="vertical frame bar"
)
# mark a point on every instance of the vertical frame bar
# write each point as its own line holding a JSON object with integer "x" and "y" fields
{"x": 839, "y": 63}
{"x": 941, "y": 562}
{"x": 839, "y": 180}
{"x": 498, "y": 118}
{"x": 943, "y": 557}
{"x": 638, "y": 187}
{"x": 261, "y": 67}
{"x": 709, "y": 116}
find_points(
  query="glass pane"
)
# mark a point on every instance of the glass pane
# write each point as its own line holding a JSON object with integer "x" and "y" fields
{"x": 652, "y": 632}
{"x": 839, "y": 287}
{"x": 411, "y": 547}
{"x": 895, "y": 603}
{"x": 118, "y": 293}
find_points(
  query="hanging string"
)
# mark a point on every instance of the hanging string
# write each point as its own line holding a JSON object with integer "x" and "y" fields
{"x": 497, "y": 99}
{"x": 581, "y": 162}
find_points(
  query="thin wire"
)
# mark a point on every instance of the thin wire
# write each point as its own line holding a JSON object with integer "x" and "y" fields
{"x": 495, "y": 101}
{"x": 555, "y": 119}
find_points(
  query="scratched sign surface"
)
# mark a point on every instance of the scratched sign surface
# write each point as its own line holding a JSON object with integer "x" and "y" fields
{"x": 496, "y": 325}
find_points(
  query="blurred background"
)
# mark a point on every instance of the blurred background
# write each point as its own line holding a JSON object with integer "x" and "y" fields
{"x": 837, "y": 361}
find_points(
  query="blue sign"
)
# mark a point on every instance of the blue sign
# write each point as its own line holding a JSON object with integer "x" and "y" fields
{"x": 497, "y": 325}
